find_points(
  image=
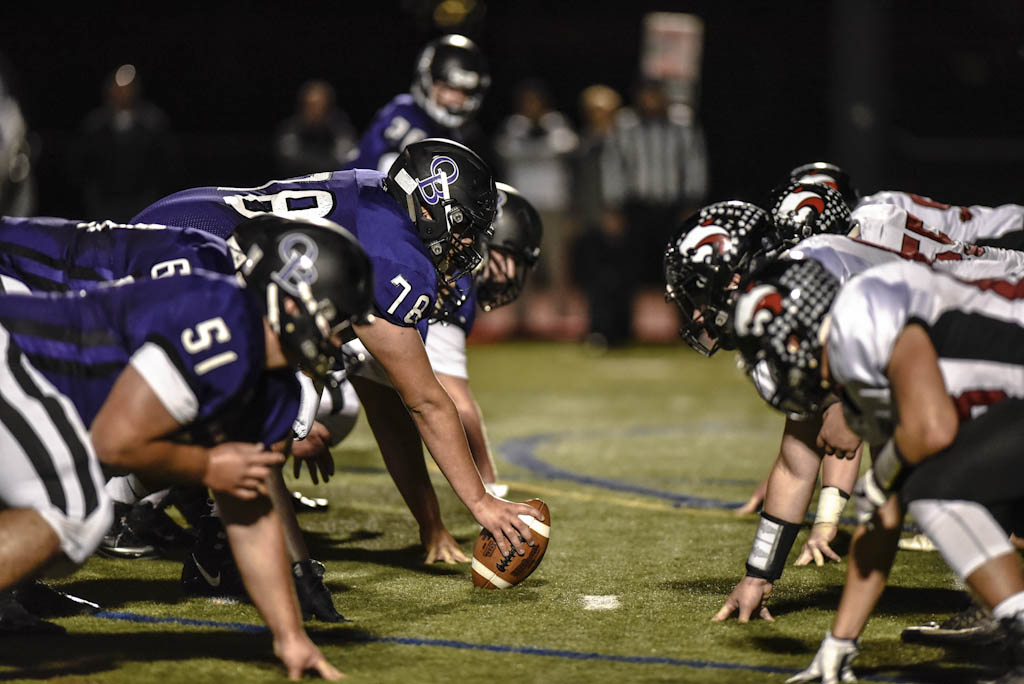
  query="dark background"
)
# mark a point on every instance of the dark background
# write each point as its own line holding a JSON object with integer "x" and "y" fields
{"x": 921, "y": 96}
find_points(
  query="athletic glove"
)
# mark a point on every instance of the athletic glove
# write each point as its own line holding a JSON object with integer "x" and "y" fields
{"x": 831, "y": 663}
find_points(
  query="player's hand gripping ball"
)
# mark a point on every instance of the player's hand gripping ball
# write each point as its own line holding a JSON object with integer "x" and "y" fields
{"x": 491, "y": 570}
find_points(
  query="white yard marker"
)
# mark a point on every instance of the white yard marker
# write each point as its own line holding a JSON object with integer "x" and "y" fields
{"x": 600, "y": 602}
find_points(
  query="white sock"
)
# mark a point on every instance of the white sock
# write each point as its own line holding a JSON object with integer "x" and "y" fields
{"x": 126, "y": 489}
{"x": 1012, "y": 606}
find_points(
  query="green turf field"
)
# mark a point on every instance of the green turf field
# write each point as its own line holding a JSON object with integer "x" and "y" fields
{"x": 622, "y": 447}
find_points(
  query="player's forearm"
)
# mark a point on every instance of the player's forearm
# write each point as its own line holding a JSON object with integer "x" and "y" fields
{"x": 472, "y": 422}
{"x": 872, "y": 551}
{"x": 840, "y": 472}
{"x": 442, "y": 431}
{"x": 160, "y": 460}
{"x": 257, "y": 541}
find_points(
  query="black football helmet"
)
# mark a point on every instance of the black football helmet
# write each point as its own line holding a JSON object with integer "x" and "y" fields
{"x": 778, "y": 322}
{"x": 800, "y": 210}
{"x": 512, "y": 251}
{"x": 457, "y": 62}
{"x": 824, "y": 173}
{"x": 703, "y": 262}
{"x": 449, "y": 193}
{"x": 313, "y": 279}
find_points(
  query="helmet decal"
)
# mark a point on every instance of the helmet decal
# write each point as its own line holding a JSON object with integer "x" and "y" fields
{"x": 756, "y": 308}
{"x": 444, "y": 171}
{"x": 502, "y": 201}
{"x": 299, "y": 264}
{"x": 704, "y": 241}
{"x": 800, "y": 199}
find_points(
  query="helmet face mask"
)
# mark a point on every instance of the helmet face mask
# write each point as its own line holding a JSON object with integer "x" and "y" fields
{"x": 781, "y": 320}
{"x": 512, "y": 252}
{"x": 451, "y": 63}
{"x": 313, "y": 280}
{"x": 703, "y": 264}
{"x": 449, "y": 194}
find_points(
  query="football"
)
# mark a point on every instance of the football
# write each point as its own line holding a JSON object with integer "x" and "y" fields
{"x": 491, "y": 570}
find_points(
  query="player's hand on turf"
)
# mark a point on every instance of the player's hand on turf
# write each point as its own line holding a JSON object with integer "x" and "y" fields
{"x": 831, "y": 663}
{"x": 835, "y": 436}
{"x": 817, "y": 547}
{"x": 754, "y": 502}
{"x": 300, "y": 654}
{"x": 442, "y": 547}
{"x": 315, "y": 452}
{"x": 749, "y": 595}
{"x": 501, "y": 519}
{"x": 240, "y": 469}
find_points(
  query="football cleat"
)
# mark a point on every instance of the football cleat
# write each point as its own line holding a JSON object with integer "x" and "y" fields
{"x": 123, "y": 540}
{"x": 973, "y": 626}
{"x": 314, "y": 597}
{"x": 306, "y": 504}
{"x": 210, "y": 569}
{"x": 15, "y": 620}
{"x": 46, "y": 602}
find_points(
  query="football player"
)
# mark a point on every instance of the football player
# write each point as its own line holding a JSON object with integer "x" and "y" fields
{"x": 57, "y": 255}
{"x": 512, "y": 252}
{"x": 701, "y": 271}
{"x": 167, "y": 375}
{"x": 914, "y": 355}
{"x": 448, "y": 88}
{"x": 1000, "y": 226}
{"x": 423, "y": 222}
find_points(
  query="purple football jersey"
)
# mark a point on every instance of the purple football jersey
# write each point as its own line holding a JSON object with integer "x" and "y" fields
{"x": 198, "y": 340}
{"x": 398, "y": 123}
{"x": 405, "y": 280}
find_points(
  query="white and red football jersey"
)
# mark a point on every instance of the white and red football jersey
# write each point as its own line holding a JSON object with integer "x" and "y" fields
{"x": 896, "y": 229}
{"x": 970, "y": 224}
{"x": 977, "y": 329}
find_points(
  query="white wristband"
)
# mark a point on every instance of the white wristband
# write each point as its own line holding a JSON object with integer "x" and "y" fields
{"x": 831, "y": 502}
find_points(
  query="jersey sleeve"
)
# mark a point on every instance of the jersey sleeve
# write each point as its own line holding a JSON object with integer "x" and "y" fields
{"x": 403, "y": 294}
{"x": 273, "y": 407}
{"x": 200, "y": 350}
{"x": 868, "y": 315}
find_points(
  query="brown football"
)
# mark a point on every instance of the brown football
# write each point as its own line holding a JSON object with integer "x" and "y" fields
{"x": 491, "y": 570}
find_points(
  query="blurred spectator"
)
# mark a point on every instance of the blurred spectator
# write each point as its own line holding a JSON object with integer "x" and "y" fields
{"x": 125, "y": 158}
{"x": 534, "y": 148}
{"x": 664, "y": 174}
{"x": 318, "y": 137}
{"x": 602, "y": 240}
{"x": 17, "y": 188}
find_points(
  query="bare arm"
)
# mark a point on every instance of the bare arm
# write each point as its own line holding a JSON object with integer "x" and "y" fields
{"x": 473, "y": 422}
{"x": 790, "y": 485}
{"x": 400, "y": 350}
{"x": 257, "y": 542}
{"x": 402, "y": 450}
{"x": 131, "y": 432}
{"x": 927, "y": 423}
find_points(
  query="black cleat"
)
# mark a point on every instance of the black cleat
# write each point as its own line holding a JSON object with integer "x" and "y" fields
{"x": 16, "y": 621}
{"x": 46, "y": 602}
{"x": 122, "y": 540}
{"x": 314, "y": 597}
{"x": 973, "y": 626}
{"x": 210, "y": 569}
{"x": 306, "y": 504}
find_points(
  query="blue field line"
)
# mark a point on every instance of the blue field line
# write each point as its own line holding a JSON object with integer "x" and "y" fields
{"x": 492, "y": 648}
{"x": 187, "y": 622}
{"x": 521, "y": 451}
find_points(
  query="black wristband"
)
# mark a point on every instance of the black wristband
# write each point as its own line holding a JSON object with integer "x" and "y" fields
{"x": 772, "y": 544}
